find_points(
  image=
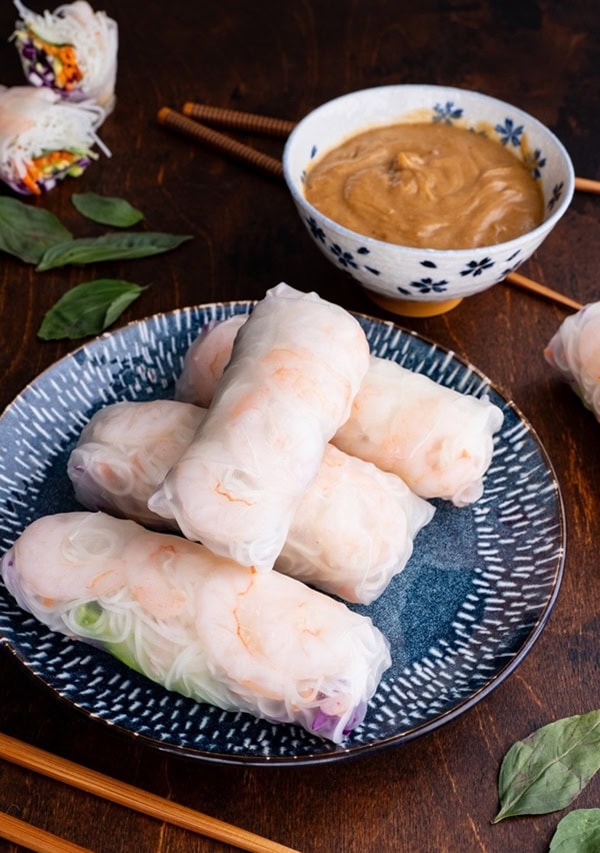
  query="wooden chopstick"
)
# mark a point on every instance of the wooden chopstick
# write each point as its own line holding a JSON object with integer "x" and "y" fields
{"x": 237, "y": 150}
{"x": 587, "y": 185}
{"x": 26, "y": 835}
{"x": 238, "y": 120}
{"x": 84, "y": 779}
{"x": 528, "y": 284}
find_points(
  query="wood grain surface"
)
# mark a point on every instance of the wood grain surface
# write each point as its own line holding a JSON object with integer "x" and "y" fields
{"x": 439, "y": 792}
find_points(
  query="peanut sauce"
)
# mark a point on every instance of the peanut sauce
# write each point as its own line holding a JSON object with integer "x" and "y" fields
{"x": 428, "y": 185}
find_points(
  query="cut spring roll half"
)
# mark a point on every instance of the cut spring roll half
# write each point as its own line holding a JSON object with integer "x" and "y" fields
{"x": 439, "y": 441}
{"x": 43, "y": 140}
{"x": 72, "y": 50}
{"x": 354, "y": 528}
{"x": 296, "y": 366}
{"x": 199, "y": 624}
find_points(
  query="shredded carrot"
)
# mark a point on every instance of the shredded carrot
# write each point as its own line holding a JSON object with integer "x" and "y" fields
{"x": 30, "y": 183}
{"x": 36, "y": 166}
{"x": 69, "y": 74}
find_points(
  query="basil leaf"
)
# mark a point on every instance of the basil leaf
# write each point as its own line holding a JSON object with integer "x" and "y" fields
{"x": 27, "y": 231}
{"x": 578, "y": 832}
{"x": 88, "y": 309}
{"x": 109, "y": 247}
{"x": 107, "y": 210}
{"x": 547, "y": 770}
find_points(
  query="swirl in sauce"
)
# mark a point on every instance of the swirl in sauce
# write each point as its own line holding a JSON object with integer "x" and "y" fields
{"x": 427, "y": 185}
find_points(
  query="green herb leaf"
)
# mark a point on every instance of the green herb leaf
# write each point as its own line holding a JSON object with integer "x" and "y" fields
{"x": 107, "y": 210}
{"x": 88, "y": 309}
{"x": 547, "y": 770}
{"x": 109, "y": 247}
{"x": 27, "y": 231}
{"x": 578, "y": 832}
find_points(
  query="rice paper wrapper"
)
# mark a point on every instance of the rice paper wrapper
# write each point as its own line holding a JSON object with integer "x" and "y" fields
{"x": 295, "y": 369}
{"x": 354, "y": 528}
{"x": 574, "y": 351}
{"x": 198, "y": 624}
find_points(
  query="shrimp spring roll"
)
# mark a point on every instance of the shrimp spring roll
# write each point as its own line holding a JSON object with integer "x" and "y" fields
{"x": 198, "y": 624}
{"x": 43, "y": 139}
{"x": 439, "y": 441}
{"x": 124, "y": 453}
{"x": 72, "y": 50}
{"x": 353, "y": 530}
{"x": 574, "y": 351}
{"x": 296, "y": 366}
{"x": 206, "y": 359}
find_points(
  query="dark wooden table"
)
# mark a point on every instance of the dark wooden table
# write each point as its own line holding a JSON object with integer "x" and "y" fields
{"x": 439, "y": 792}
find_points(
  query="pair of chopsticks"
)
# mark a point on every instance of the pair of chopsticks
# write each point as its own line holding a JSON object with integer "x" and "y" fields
{"x": 92, "y": 782}
{"x": 194, "y": 122}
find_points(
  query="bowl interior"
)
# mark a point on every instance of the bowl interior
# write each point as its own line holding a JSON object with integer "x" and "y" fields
{"x": 337, "y": 120}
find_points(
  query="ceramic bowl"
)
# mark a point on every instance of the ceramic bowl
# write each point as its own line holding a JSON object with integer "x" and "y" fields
{"x": 414, "y": 281}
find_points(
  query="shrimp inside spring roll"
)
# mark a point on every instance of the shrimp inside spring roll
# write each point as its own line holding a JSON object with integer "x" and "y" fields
{"x": 295, "y": 369}
{"x": 199, "y": 624}
{"x": 438, "y": 440}
{"x": 352, "y": 532}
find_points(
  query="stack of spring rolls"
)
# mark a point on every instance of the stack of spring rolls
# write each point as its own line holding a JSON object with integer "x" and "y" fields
{"x": 297, "y": 480}
{"x": 48, "y": 129}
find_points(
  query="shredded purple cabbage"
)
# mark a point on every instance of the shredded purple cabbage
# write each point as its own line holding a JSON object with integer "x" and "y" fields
{"x": 325, "y": 724}
{"x": 39, "y": 70}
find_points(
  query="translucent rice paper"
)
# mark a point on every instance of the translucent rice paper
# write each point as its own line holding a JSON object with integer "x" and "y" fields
{"x": 575, "y": 351}
{"x": 439, "y": 441}
{"x": 124, "y": 453}
{"x": 353, "y": 530}
{"x": 296, "y": 366}
{"x": 35, "y": 123}
{"x": 199, "y": 624}
{"x": 206, "y": 359}
{"x": 72, "y": 50}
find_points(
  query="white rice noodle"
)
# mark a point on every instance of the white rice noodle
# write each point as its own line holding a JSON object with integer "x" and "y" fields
{"x": 33, "y": 121}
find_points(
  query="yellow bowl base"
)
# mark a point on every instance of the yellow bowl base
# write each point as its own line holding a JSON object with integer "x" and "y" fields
{"x": 410, "y": 308}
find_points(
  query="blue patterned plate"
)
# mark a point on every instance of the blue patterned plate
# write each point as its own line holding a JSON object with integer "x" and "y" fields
{"x": 470, "y": 604}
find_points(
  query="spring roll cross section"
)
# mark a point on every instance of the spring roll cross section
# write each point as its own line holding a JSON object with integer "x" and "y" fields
{"x": 353, "y": 529}
{"x": 72, "y": 51}
{"x": 296, "y": 366}
{"x": 199, "y": 624}
{"x": 43, "y": 140}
